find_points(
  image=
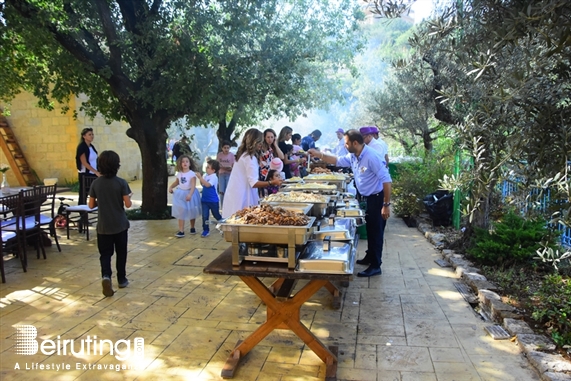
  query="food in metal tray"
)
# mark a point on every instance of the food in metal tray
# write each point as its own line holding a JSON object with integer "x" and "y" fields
{"x": 320, "y": 170}
{"x": 295, "y": 179}
{"x": 268, "y": 215}
{"x": 326, "y": 176}
{"x": 296, "y": 197}
{"x": 314, "y": 186}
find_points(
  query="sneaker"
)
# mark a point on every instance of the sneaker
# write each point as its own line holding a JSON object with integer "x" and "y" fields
{"x": 192, "y": 231}
{"x": 179, "y": 234}
{"x": 107, "y": 286}
{"x": 205, "y": 233}
{"x": 124, "y": 284}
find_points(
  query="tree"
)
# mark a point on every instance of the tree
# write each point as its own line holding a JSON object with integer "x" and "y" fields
{"x": 153, "y": 62}
{"x": 501, "y": 81}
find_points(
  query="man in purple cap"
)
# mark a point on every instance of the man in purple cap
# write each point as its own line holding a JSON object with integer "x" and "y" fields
{"x": 380, "y": 146}
{"x": 340, "y": 149}
{"x": 374, "y": 182}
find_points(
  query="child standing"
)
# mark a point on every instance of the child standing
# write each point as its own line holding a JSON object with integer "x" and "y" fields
{"x": 210, "y": 201}
{"x": 226, "y": 160}
{"x": 186, "y": 199}
{"x": 273, "y": 174}
{"x": 111, "y": 194}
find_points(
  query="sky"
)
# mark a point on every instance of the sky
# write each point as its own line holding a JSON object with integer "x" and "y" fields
{"x": 422, "y": 9}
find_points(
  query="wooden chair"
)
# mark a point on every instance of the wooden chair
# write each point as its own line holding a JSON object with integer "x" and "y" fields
{"x": 10, "y": 231}
{"x": 86, "y": 215}
{"x": 47, "y": 210}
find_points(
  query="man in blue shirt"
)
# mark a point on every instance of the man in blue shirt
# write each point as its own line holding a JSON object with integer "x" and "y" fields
{"x": 309, "y": 141}
{"x": 374, "y": 183}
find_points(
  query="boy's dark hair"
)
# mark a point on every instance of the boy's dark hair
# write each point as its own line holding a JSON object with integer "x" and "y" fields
{"x": 108, "y": 163}
{"x": 295, "y": 137}
{"x": 355, "y": 136}
{"x": 271, "y": 174}
{"x": 214, "y": 164}
{"x": 288, "y": 148}
{"x": 226, "y": 143}
{"x": 316, "y": 133}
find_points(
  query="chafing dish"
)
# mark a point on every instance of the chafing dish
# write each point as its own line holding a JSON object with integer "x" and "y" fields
{"x": 350, "y": 212}
{"x": 332, "y": 258}
{"x": 339, "y": 180}
{"x": 268, "y": 234}
{"x": 347, "y": 203}
{"x": 321, "y": 187}
{"x": 342, "y": 229}
{"x": 296, "y": 207}
{"x": 318, "y": 210}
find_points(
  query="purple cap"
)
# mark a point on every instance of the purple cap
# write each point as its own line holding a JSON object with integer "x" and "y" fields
{"x": 368, "y": 130}
{"x": 340, "y": 130}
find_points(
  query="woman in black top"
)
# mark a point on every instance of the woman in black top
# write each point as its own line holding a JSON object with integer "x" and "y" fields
{"x": 85, "y": 161}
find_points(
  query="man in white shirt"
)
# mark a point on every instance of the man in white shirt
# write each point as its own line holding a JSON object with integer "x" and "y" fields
{"x": 340, "y": 149}
{"x": 379, "y": 145}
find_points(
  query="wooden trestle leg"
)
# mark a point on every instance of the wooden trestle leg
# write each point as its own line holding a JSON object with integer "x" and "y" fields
{"x": 283, "y": 313}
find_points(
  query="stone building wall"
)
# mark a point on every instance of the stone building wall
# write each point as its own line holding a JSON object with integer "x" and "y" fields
{"x": 49, "y": 139}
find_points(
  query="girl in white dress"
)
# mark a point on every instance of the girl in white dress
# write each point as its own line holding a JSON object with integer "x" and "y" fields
{"x": 244, "y": 180}
{"x": 186, "y": 199}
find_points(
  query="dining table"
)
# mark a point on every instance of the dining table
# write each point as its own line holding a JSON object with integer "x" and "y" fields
{"x": 283, "y": 305}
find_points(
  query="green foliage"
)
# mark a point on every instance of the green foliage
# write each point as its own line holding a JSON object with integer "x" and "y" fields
{"x": 415, "y": 181}
{"x": 150, "y": 63}
{"x": 553, "y": 308}
{"x": 512, "y": 281}
{"x": 512, "y": 240}
{"x": 139, "y": 214}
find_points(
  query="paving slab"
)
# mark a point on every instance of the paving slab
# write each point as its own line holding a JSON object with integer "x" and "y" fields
{"x": 409, "y": 324}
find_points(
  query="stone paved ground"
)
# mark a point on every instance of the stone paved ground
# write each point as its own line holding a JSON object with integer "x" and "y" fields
{"x": 409, "y": 324}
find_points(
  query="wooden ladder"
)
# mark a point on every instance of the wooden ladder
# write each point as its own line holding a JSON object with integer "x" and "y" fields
{"x": 15, "y": 156}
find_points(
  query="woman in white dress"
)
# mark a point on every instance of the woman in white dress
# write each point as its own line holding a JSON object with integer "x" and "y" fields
{"x": 244, "y": 180}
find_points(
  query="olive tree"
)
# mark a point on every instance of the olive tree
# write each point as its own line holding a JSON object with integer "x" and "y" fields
{"x": 150, "y": 62}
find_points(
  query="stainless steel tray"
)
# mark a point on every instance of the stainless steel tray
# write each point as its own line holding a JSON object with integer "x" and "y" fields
{"x": 344, "y": 229}
{"x": 339, "y": 259}
{"x": 328, "y": 189}
{"x": 296, "y": 207}
{"x": 276, "y": 234}
{"x": 340, "y": 183}
{"x": 350, "y": 212}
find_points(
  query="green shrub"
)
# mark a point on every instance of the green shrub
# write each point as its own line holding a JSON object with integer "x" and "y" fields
{"x": 137, "y": 214}
{"x": 553, "y": 308}
{"x": 415, "y": 181}
{"x": 512, "y": 240}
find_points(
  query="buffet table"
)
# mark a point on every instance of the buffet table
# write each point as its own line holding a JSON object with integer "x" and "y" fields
{"x": 283, "y": 309}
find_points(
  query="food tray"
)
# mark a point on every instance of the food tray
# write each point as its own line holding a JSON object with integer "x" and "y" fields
{"x": 350, "y": 212}
{"x": 341, "y": 184}
{"x": 319, "y": 209}
{"x": 339, "y": 259}
{"x": 296, "y": 207}
{"x": 314, "y": 185}
{"x": 275, "y": 234}
{"x": 307, "y": 188}
{"x": 344, "y": 229}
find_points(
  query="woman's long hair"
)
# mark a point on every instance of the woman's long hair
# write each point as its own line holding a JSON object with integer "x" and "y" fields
{"x": 265, "y": 146}
{"x": 249, "y": 145}
{"x": 283, "y": 133}
{"x": 83, "y": 132}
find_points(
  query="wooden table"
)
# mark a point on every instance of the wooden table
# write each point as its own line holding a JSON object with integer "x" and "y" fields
{"x": 283, "y": 309}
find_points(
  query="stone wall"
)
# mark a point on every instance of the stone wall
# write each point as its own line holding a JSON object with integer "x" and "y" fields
{"x": 49, "y": 139}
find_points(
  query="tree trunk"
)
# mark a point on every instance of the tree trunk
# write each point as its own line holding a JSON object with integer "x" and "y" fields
{"x": 225, "y": 131}
{"x": 150, "y": 134}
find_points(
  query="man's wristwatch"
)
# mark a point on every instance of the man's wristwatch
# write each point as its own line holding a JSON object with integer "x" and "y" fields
{"x": 386, "y": 204}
